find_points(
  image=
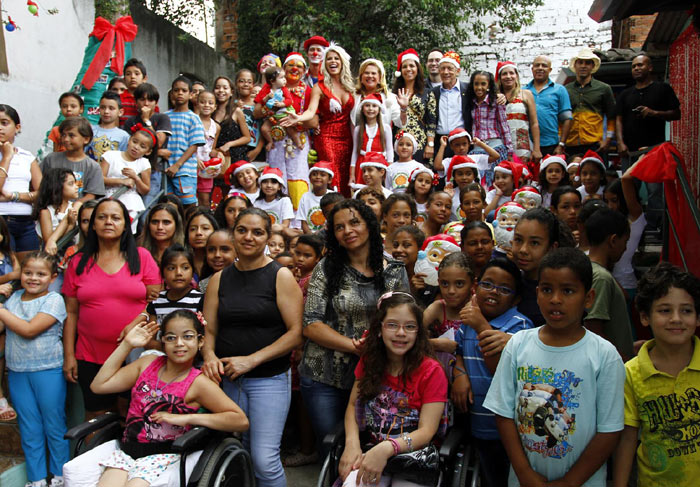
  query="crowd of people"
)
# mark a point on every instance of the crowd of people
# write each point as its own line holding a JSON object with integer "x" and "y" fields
{"x": 408, "y": 257}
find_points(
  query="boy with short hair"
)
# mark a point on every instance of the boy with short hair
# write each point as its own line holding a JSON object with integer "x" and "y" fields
{"x": 71, "y": 105}
{"x": 309, "y": 214}
{"x": 607, "y": 232}
{"x": 661, "y": 390}
{"x": 556, "y": 391}
{"x": 107, "y": 135}
{"x": 134, "y": 75}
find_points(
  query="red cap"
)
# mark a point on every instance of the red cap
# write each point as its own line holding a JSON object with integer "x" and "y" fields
{"x": 408, "y": 54}
{"x": 319, "y": 40}
{"x": 458, "y": 133}
{"x": 323, "y": 166}
{"x": 504, "y": 64}
{"x": 272, "y": 173}
{"x": 461, "y": 162}
{"x": 592, "y": 156}
{"x": 375, "y": 159}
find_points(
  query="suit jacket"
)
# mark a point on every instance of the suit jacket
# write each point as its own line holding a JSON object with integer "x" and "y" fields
{"x": 433, "y": 111}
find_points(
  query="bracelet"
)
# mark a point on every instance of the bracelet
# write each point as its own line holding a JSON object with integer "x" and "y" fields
{"x": 459, "y": 375}
{"x": 408, "y": 440}
{"x": 5, "y": 171}
{"x": 459, "y": 369}
{"x": 145, "y": 314}
{"x": 15, "y": 196}
{"x": 395, "y": 445}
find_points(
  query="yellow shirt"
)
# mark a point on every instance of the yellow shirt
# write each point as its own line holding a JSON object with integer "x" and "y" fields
{"x": 666, "y": 410}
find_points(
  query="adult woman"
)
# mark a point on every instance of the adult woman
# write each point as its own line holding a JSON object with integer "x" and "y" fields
{"x": 342, "y": 296}
{"x": 372, "y": 79}
{"x": 163, "y": 228}
{"x": 107, "y": 286}
{"x": 200, "y": 225}
{"x": 409, "y": 84}
{"x": 521, "y": 113}
{"x": 18, "y": 169}
{"x": 223, "y": 92}
{"x": 253, "y": 310}
{"x": 246, "y": 102}
{"x": 332, "y": 98}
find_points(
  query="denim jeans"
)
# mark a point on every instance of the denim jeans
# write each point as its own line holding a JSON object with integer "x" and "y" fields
{"x": 326, "y": 405}
{"x": 265, "y": 401}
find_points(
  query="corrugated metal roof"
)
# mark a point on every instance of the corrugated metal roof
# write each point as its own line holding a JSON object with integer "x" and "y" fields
{"x": 602, "y": 10}
{"x": 666, "y": 28}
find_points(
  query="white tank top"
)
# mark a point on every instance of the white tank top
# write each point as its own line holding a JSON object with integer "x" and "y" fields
{"x": 19, "y": 178}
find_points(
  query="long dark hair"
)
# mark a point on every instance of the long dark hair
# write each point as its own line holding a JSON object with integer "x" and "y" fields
{"x": 146, "y": 240}
{"x": 418, "y": 84}
{"x": 5, "y": 245}
{"x": 200, "y": 211}
{"x": 51, "y": 191}
{"x": 492, "y": 86}
{"x": 220, "y": 213}
{"x": 375, "y": 356}
{"x": 127, "y": 243}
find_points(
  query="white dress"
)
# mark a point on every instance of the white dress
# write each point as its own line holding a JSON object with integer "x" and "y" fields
{"x": 131, "y": 199}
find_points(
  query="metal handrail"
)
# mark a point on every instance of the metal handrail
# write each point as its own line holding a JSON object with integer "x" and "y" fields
{"x": 672, "y": 227}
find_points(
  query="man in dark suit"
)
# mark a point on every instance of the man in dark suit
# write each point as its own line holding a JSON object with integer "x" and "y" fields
{"x": 448, "y": 105}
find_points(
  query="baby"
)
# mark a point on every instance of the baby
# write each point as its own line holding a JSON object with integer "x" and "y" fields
{"x": 277, "y": 98}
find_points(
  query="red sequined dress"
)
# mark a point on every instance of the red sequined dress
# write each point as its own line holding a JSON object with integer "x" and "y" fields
{"x": 334, "y": 144}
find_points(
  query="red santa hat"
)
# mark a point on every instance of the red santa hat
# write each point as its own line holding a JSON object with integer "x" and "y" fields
{"x": 236, "y": 168}
{"x": 504, "y": 64}
{"x": 408, "y": 54}
{"x": 452, "y": 58}
{"x": 294, "y": 56}
{"x": 514, "y": 169}
{"x": 409, "y": 135}
{"x": 315, "y": 41}
{"x": 592, "y": 156}
{"x": 509, "y": 207}
{"x": 458, "y": 133}
{"x": 322, "y": 166}
{"x": 461, "y": 162}
{"x": 552, "y": 159}
{"x": 527, "y": 192}
{"x": 422, "y": 170}
{"x": 440, "y": 237}
{"x": 373, "y": 99}
{"x": 374, "y": 159}
{"x": 272, "y": 173}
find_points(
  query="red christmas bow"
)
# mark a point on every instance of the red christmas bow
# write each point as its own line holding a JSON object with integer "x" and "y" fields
{"x": 136, "y": 127}
{"x": 123, "y": 30}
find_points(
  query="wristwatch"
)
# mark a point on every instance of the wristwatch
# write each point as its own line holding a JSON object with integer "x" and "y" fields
{"x": 431, "y": 144}
{"x": 562, "y": 144}
{"x": 148, "y": 123}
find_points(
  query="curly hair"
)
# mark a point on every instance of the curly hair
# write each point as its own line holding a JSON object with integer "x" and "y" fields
{"x": 375, "y": 356}
{"x": 492, "y": 86}
{"x": 658, "y": 281}
{"x": 337, "y": 257}
{"x": 346, "y": 80}
{"x": 51, "y": 191}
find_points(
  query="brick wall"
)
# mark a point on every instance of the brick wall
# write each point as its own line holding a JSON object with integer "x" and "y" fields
{"x": 227, "y": 29}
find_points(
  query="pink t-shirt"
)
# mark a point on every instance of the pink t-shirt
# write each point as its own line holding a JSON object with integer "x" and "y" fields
{"x": 108, "y": 302}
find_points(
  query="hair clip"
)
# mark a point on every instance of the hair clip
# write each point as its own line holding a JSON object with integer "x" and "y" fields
{"x": 390, "y": 294}
{"x": 201, "y": 319}
{"x": 239, "y": 194}
{"x": 436, "y": 179}
{"x": 138, "y": 127}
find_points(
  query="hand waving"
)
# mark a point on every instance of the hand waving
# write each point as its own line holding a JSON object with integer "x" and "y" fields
{"x": 141, "y": 334}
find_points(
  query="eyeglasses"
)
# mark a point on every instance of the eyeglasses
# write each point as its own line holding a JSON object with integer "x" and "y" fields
{"x": 172, "y": 338}
{"x": 502, "y": 290}
{"x": 245, "y": 81}
{"x": 409, "y": 328}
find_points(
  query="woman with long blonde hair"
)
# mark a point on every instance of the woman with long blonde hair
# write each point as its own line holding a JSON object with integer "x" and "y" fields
{"x": 371, "y": 80}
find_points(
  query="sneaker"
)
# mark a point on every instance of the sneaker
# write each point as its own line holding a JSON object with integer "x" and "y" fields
{"x": 56, "y": 481}
{"x": 38, "y": 483}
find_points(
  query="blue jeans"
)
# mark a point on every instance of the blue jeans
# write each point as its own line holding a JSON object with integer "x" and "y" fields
{"x": 40, "y": 401}
{"x": 23, "y": 236}
{"x": 326, "y": 405}
{"x": 266, "y": 403}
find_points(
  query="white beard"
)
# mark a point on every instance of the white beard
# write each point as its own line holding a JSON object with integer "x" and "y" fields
{"x": 424, "y": 266}
{"x": 503, "y": 237}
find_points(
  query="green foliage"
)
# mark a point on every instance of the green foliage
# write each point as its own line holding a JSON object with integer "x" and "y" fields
{"x": 182, "y": 13}
{"x": 111, "y": 9}
{"x": 371, "y": 28}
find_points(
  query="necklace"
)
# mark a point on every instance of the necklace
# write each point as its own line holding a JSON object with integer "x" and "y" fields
{"x": 158, "y": 391}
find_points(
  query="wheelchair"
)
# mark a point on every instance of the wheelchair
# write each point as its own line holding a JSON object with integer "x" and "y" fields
{"x": 208, "y": 458}
{"x": 459, "y": 463}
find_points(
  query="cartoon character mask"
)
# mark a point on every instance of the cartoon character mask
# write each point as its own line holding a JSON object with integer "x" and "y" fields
{"x": 507, "y": 216}
{"x": 528, "y": 197}
{"x": 431, "y": 254}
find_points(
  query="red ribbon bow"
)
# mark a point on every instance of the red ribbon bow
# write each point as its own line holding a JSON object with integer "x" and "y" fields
{"x": 123, "y": 30}
{"x": 136, "y": 127}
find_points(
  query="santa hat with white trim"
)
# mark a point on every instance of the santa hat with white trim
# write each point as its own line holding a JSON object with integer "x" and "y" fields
{"x": 552, "y": 159}
{"x": 322, "y": 166}
{"x": 241, "y": 165}
{"x": 458, "y": 133}
{"x": 408, "y": 54}
{"x": 461, "y": 162}
{"x": 592, "y": 156}
{"x": 373, "y": 99}
{"x": 503, "y": 65}
{"x": 420, "y": 170}
{"x": 409, "y": 135}
{"x": 452, "y": 58}
{"x": 514, "y": 169}
{"x": 294, "y": 56}
{"x": 374, "y": 159}
{"x": 272, "y": 173}
{"x": 526, "y": 193}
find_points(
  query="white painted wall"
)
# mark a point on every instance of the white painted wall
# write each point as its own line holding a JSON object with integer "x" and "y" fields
{"x": 43, "y": 57}
{"x": 560, "y": 29}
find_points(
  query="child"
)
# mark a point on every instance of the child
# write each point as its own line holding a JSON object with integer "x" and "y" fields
{"x": 275, "y": 202}
{"x": 33, "y": 317}
{"x": 461, "y": 172}
{"x": 406, "y": 242}
{"x": 438, "y": 210}
{"x": 472, "y": 202}
{"x": 9, "y": 271}
{"x": 506, "y": 180}
{"x": 477, "y": 243}
{"x": 200, "y": 225}
{"x": 556, "y": 391}
{"x": 490, "y": 122}
{"x": 285, "y": 259}
{"x": 206, "y": 103}
{"x": 132, "y": 169}
{"x": 278, "y": 98}
{"x": 227, "y": 211}
{"x": 535, "y": 234}
{"x": 197, "y": 88}
{"x": 592, "y": 172}
{"x": 134, "y": 76}
{"x": 372, "y": 198}
{"x": 661, "y": 380}
{"x": 374, "y": 171}
{"x": 421, "y": 184}
{"x": 84, "y": 215}
{"x": 147, "y": 97}
{"x": 54, "y": 208}
{"x": 187, "y": 136}
{"x": 572, "y": 168}
{"x": 245, "y": 178}
{"x": 489, "y": 321}
{"x": 371, "y": 134}
{"x": 566, "y": 205}
{"x": 177, "y": 270}
{"x": 76, "y": 134}
{"x": 117, "y": 85}
{"x": 608, "y": 232}
{"x": 397, "y": 175}
{"x": 398, "y": 397}
{"x": 309, "y": 213}
{"x": 553, "y": 175}
{"x": 462, "y": 144}
{"x": 276, "y": 244}
{"x": 106, "y": 134}
{"x": 71, "y": 105}
{"x": 166, "y": 394}
{"x": 307, "y": 253}
{"x": 221, "y": 253}
{"x": 397, "y": 210}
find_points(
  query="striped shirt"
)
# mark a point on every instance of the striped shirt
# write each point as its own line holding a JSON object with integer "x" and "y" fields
{"x": 187, "y": 130}
{"x": 161, "y": 306}
{"x": 490, "y": 122}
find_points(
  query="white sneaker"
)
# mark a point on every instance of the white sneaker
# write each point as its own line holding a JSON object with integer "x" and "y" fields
{"x": 56, "y": 481}
{"x": 38, "y": 483}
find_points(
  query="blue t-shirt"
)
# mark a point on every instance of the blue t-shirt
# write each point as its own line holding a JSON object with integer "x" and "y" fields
{"x": 104, "y": 140}
{"x": 551, "y": 102}
{"x": 559, "y": 398}
{"x": 483, "y": 421}
{"x": 187, "y": 130}
{"x": 44, "y": 351}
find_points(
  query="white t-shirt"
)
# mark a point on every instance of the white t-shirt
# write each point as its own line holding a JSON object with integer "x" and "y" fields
{"x": 251, "y": 196}
{"x": 501, "y": 200}
{"x": 421, "y": 215}
{"x": 278, "y": 210}
{"x": 131, "y": 199}
{"x": 559, "y": 398}
{"x": 397, "y": 175}
{"x": 19, "y": 177}
{"x": 309, "y": 210}
{"x": 623, "y": 271}
{"x": 584, "y": 194}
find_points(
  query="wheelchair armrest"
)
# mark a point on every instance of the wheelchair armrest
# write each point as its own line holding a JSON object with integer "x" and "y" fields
{"x": 335, "y": 436}
{"x": 194, "y": 439}
{"x": 450, "y": 446}
{"x": 95, "y": 424}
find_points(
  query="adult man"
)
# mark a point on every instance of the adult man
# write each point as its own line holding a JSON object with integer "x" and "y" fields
{"x": 432, "y": 65}
{"x": 314, "y": 47}
{"x": 553, "y": 107}
{"x": 449, "y": 104}
{"x": 592, "y": 101}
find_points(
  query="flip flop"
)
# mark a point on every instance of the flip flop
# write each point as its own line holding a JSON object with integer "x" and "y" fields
{"x": 5, "y": 409}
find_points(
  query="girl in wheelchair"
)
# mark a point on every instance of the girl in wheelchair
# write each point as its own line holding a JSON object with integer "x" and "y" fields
{"x": 166, "y": 393}
{"x": 398, "y": 397}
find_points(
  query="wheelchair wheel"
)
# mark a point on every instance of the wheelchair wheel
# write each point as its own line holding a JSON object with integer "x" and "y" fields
{"x": 228, "y": 466}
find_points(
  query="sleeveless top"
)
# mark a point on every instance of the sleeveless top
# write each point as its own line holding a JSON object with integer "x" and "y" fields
{"x": 446, "y": 324}
{"x": 248, "y": 316}
{"x": 56, "y": 218}
{"x": 519, "y": 123}
{"x": 231, "y": 131}
{"x": 19, "y": 177}
{"x": 150, "y": 395}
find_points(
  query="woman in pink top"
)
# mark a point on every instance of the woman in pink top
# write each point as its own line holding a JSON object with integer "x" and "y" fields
{"x": 106, "y": 287}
